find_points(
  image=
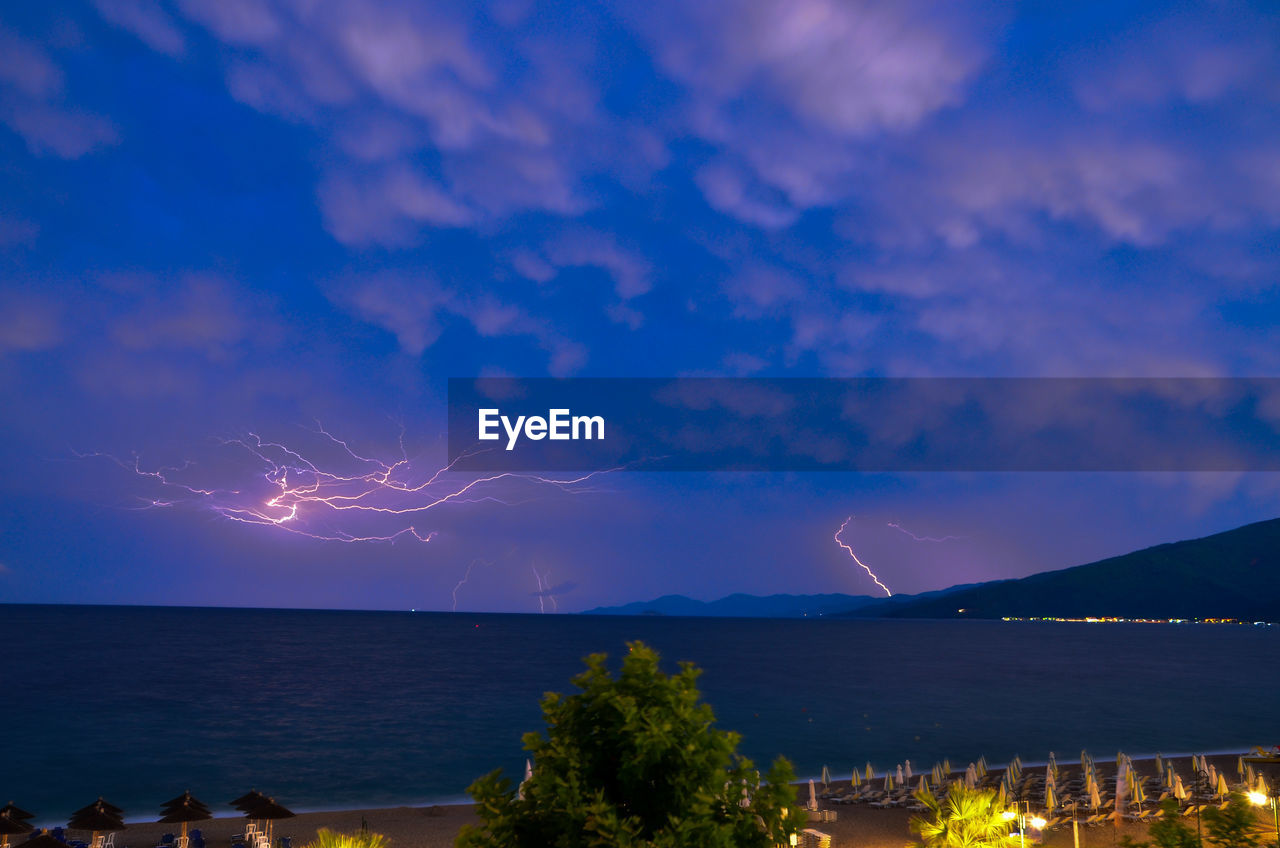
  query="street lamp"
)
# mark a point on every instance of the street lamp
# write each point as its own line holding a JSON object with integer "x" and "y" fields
{"x": 1022, "y": 812}
{"x": 1258, "y": 799}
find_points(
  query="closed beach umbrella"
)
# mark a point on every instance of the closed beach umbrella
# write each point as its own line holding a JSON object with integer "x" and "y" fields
{"x": 907, "y": 769}
{"x": 1240, "y": 765}
{"x": 1179, "y": 791}
{"x": 1050, "y": 797}
{"x": 826, "y": 777}
{"x": 1001, "y": 796}
{"x": 9, "y": 826}
{"x": 946, "y": 767}
{"x": 900, "y": 780}
{"x": 888, "y": 781}
{"x": 1159, "y": 763}
{"x": 1095, "y": 799}
{"x": 855, "y": 779}
{"x": 528, "y": 773}
{"x": 923, "y": 785}
{"x": 937, "y": 773}
{"x": 813, "y": 796}
{"x": 970, "y": 777}
{"x": 870, "y": 773}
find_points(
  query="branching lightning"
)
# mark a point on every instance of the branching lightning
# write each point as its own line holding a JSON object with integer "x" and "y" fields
{"x": 842, "y": 544}
{"x": 902, "y": 529}
{"x": 350, "y": 498}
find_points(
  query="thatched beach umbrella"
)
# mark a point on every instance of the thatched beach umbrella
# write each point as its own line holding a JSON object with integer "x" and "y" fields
{"x": 100, "y": 806}
{"x": 10, "y": 826}
{"x": 99, "y": 817}
{"x": 186, "y": 799}
{"x": 13, "y": 811}
{"x": 184, "y": 810}
{"x": 42, "y": 840}
{"x": 269, "y": 811}
{"x": 248, "y": 800}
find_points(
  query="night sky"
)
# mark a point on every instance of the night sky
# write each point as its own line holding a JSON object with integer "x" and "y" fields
{"x": 223, "y": 221}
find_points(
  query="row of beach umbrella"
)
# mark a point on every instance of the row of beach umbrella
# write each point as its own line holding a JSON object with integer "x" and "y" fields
{"x": 104, "y": 817}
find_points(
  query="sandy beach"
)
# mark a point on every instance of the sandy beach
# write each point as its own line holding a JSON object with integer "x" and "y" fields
{"x": 436, "y": 826}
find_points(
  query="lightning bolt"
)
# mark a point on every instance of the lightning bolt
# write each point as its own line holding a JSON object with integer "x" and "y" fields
{"x": 842, "y": 544}
{"x": 544, "y": 591}
{"x": 289, "y": 490}
{"x": 902, "y": 529}
{"x": 464, "y": 580}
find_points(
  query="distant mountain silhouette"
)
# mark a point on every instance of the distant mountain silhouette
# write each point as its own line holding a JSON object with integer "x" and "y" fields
{"x": 1234, "y": 574}
{"x": 768, "y": 606}
{"x": 741, "y": 606}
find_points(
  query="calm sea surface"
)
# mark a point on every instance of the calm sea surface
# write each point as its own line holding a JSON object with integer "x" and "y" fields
{"x": 348, "y": 709}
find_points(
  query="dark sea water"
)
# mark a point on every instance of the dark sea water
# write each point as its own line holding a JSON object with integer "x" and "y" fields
{"x": 349, "y": 709}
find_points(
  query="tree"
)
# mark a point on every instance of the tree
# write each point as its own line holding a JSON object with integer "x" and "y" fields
{"x": 634, "y": 761}
{"x": 1168, "y": 831}
{"x": 968, "y": 818}
{"x": 1233, "y": 826}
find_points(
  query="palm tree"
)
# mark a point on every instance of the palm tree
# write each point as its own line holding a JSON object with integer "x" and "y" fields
{"x": 968, "y": 818}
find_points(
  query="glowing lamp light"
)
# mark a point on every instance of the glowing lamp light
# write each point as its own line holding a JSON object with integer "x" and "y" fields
{"x": 795, "y": 840}
{"x": 1257, "y": 798}
{"x": 1008, "y": 815}
{"x": 1038, "y": 823}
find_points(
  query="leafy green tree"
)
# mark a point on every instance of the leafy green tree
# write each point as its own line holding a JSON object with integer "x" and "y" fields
{"x": 967, "y": 818}
{"x": 634, "y": 761}
{"x": 1235, "y": 826}
{"x": 326, "y": 838}
{"x": 1168, "y": 831}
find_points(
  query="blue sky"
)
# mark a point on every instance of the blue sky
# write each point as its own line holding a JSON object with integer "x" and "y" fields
{"x": 243, "y": 216}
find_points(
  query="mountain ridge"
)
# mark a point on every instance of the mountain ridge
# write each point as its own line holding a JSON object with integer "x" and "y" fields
{"x": 1232, "y": 574}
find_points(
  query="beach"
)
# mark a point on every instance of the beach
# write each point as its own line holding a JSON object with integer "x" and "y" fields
{"x": 436, "y": 826}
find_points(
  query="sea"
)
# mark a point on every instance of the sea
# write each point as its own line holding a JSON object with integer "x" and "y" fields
{"x": 341, "y": 710}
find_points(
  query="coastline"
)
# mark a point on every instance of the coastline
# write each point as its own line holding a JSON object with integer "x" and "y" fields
{"x": 437, "y": 825}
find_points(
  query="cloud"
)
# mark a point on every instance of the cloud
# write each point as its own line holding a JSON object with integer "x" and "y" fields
{"x": 416, "y": 309}
{"x": 1195, "y": 56}
{"x": 32, "y": 88}
{"x": 29, "y": 323}
{"x": 788, "y": 90}
{"x": 148, "y": 21}
{"x": 201, "y": 313}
